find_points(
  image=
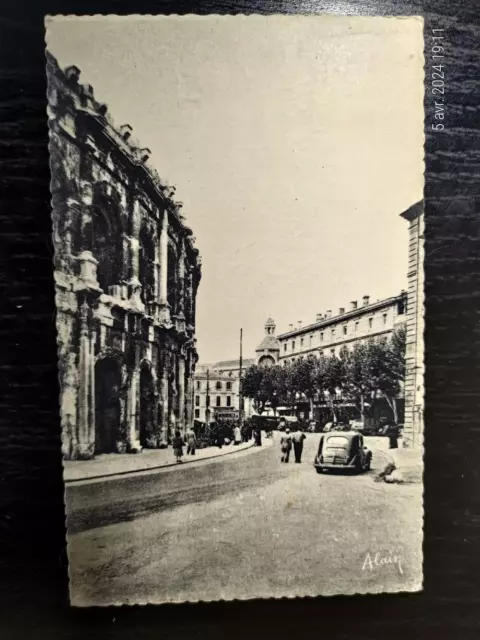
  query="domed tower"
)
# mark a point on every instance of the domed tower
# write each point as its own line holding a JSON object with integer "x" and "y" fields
{"x": 268, "y": 351}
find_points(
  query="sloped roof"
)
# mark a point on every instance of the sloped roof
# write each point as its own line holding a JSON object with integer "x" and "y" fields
{"x": 269, "y": 342}
{"x": 232, "y": 364}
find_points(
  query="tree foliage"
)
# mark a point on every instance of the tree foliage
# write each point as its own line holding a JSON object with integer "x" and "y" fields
{"x": 357, "y": 375}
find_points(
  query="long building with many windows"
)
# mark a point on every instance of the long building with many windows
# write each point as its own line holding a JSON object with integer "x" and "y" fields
{"x": 330, "y": 332}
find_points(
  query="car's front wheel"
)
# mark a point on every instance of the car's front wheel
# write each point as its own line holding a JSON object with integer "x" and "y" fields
{"x": 319, "y": 469}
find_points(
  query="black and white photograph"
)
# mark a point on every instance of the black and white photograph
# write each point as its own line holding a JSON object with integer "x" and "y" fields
{"x": 238, "y": 233}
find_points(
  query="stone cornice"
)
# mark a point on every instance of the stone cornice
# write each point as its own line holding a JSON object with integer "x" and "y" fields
{"x": 348, "y": 315}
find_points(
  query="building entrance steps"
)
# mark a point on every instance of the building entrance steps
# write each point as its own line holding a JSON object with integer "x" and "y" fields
{"x": 113, "y": 464}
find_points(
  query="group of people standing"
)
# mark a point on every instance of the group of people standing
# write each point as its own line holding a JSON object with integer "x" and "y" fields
{"x": 295, "y": 440}
{"x": 190, "y": 441}
{"x": 178, "y": 443}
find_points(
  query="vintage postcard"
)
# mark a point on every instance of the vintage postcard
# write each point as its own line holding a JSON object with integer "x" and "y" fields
{"x": 238, "y": 232}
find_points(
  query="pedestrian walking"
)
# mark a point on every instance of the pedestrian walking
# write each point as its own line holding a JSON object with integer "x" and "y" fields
{"x": 298, "y": 438}
{"x": 178, "y": 445}
{"x": 237, "y": 435}
{"x": 191, "y": 442}
{"x": 244, "y": 431}
{"x": 220, "y": 438}
{"x": 286, "y": 445}
{"x": 257, "y": 435}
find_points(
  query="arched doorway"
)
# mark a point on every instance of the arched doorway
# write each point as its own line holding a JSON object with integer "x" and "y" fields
{"x": 147, "y": 407}
{"x": 108, "y": 380}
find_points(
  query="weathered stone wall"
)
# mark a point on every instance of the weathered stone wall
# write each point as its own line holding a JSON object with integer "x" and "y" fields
{"x": 127, "y": 274}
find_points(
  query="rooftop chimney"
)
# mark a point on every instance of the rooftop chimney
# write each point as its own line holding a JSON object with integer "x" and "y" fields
{"x": 102, "y": 109}
{"x": 319, "y": 317}
{"x": 126, "y": 131}
{"x": 290, "y": 326}
{"x": 341, "y": 310}
{"x": 299, "y": 322}
{"x": 88, "y": 90}
{"x": 72, "y": 73}
{"x": 329, "y": 313}
{"x": 145, "y": 154}
{"x": 353, "y": 305}
{"x": 366, "y": 300}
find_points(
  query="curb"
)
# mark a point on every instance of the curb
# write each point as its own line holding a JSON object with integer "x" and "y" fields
{"x": 155, "y": 468}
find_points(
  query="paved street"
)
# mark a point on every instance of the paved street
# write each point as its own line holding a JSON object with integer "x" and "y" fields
{"x": 242, "y": 526}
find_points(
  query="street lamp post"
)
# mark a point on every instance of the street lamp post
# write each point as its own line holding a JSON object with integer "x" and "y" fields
{"x": 207, "y": 402}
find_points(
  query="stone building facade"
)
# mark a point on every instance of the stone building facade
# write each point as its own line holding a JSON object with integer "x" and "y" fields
{"x": 414, "y": 356}
{"x": 268, "y": 350}
{"x": 126, "y": 275}
{"x": 217, "y": 391}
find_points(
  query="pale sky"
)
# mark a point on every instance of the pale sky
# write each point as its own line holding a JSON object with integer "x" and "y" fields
{"x": 294, "y": 144}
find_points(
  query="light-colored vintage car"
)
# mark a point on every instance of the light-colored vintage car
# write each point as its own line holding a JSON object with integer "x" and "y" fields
{"x": 342, "y": 450}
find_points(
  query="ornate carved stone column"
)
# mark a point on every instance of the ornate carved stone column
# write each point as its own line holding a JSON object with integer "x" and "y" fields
{"x": 181, "y": 392}
{"x": 188, "y": 392}
{"x": 134, "y": 282}
{"x": 164, "y": 308}
{"x": 162, "y": 423}
{"x": 82, "y": 209}
{"x": 173, "y": 395}
{"x": 181, "y": 280}
{"x": 133, "y": 400}
{"x": 86, "y": 395}
{"x": 195, "y": 283}
{"x": 188, "y": 295}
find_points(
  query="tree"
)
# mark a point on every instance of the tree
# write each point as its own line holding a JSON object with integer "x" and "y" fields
{"x": 253, "y": 387}
{"x": 392, "y": 372}
{"x": 301, "y": 379}
{"x": 333, "y": 375}
{"x": 357, "y": 385}
{"x": 264, "y": 385}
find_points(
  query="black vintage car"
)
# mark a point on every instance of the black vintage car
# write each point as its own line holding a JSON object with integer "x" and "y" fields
{"x": 342, "y": 450}
{"x": 265, "y": 423}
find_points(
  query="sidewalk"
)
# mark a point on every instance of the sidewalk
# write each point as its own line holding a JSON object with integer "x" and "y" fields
{"x": 408, "y": 463}
{"x": 112, "y": 464}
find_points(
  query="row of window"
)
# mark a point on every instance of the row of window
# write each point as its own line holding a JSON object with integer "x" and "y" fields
{"x": 218, "y": 401}
{"x": 332, "y": 333}
{"x": 218, "y": 385}
{"x": 326, "y": 352}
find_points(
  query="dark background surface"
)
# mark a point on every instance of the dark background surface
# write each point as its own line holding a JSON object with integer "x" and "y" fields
{"x": 33, "y": 571}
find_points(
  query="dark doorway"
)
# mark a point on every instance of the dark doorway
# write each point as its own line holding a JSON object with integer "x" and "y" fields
{"x": 147, "y": 408}
{"x": 107, "y": 405}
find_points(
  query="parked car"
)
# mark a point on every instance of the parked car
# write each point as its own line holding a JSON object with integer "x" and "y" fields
{"x": 266, "y": 423}
{"x": 342, "y": 450}
{"x": 292, "y": 422}
{"x": 357, "y": 425}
